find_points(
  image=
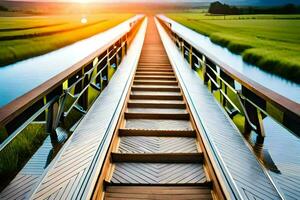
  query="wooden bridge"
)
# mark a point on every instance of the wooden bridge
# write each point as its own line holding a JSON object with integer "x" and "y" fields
{"x": 154, "y": 131}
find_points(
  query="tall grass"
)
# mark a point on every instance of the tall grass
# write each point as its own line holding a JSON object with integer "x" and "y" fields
{"x": 19, "y": 49}
{"x": 271, "y": 42}
{"x": 15, "y": 155}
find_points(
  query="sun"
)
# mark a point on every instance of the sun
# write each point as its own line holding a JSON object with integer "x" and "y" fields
{"x": 83, "y": 20}
{"x": 83, "y": 1}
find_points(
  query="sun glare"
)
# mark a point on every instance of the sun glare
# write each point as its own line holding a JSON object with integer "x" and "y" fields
{"x": 83, "y": 20}
{"x": 83, "y": 1}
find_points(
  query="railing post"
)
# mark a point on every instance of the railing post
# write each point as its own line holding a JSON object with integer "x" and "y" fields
{"x": 182, "y": 47}
{"x": 254, "y": 116}
{"x": 256, "y": 119}
{"x": 204, "y": 68}
{"x": 229, "y": 81}
{"x": 51, "y": 122}
{"x": 191, "y": 56}
{"x": 85, "y": 95}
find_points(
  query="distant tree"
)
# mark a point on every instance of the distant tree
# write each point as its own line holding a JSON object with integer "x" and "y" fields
{"x": 216, "y": 8}
{"x": 289, "y": 9}
{"x": 223, "y": 9}
{"x": 2, "y": 8}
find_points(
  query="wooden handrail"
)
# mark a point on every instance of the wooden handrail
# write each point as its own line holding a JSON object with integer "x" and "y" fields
{"x": 78, "y": 77}
{"x": 20, "y": 104}
{"x": 289, "y": 108}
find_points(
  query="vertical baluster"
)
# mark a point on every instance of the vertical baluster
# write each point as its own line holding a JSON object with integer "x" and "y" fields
{"x": 229, "y": 81}
{"x": 51, "y": 122}
{"x": 85, "y": 96}
{"x": 204, "y": 70}
{"x": 190, "y": 56}
{"x": 254, "y": 116}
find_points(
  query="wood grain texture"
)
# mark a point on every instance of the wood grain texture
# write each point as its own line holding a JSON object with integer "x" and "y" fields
{"x": 158, "y": 145}
{"x": 158, "y": 192}
{"x": 158, "y": 173}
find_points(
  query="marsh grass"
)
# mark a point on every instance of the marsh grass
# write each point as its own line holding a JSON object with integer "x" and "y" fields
{"x": 271, "y": 42}
{"x": 32, "y": 44}
{"x": 15, "y": 155}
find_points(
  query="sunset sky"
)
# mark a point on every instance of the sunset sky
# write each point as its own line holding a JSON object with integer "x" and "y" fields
{"x": 236, "y": 2}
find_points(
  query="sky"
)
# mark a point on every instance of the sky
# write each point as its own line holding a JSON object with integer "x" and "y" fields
{"x": 233, "y": 2}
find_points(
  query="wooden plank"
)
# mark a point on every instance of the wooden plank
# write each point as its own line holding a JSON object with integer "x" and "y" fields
{"x": 161, "y": 89}
{"x": 153, "y": 70}
{"x": 154, "y": 73}
{"x": 146, "y": 145}
{"x": 169, "y": 78}
{"x": 177, "y": 116}
{"x": 158, "y": 133}
{"x": 158, "y": 173}
{"x": 148, "y": 82}
{"x": 158, "y": 189}
{"x": 156, "y": 97}
{"x": 156, "y": 105}
{"x": 158, "y": 157}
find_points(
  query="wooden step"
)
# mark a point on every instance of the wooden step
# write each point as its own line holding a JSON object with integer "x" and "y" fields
{"x": 154, "y": 144}
{"x": 158, "y": 192}
{"x": 154, "y": 64}
{"x": 155, "y": 88}
{"x": 155, "y": 73}
{"x": 206, "y": 184}
{"x": 177, "y": 116}
{"x": 157, "y": 133}
{"x": 156, "y": 105}
{"x": 159, "y": 174}
{"x": 140, "y": 69}
{"x": 152, "y": 61}
{"x": 157, "y": 157}
{"x": 170, "y": 78}
{"x": 156, "y": 97}
{"x": 145, "y": 82}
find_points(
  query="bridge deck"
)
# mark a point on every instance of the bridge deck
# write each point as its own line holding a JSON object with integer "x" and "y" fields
{"x": 171, "y": 162}
{"x": 150, "y": 136}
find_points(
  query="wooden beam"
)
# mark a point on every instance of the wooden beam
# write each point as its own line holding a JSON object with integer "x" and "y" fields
{"x": 158, "y": 157}
{"x": 177, "y": 116}
{"x": 156, "y": 105}
{"x": 156, "y": 97}
{"x": 157, "y": 133}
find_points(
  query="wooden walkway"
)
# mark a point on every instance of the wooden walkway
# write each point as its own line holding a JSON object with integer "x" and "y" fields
{"x": 154, "y": 133}
{"x": 157, "y": 154}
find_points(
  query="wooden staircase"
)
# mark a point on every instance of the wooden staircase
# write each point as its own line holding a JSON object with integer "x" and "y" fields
{"x": 157, "y": 154}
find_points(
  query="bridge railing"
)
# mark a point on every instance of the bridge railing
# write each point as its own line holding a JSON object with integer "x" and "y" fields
{"x": 236, "y": 92}
{"x": 60, "y": 103}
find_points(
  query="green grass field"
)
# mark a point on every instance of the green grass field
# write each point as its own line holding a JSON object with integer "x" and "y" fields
{"x": 25, "y": 37}
{"x": 272, "y": 42}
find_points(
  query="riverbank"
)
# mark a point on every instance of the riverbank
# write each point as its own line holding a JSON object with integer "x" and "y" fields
{"x": 270, "y": 42}
{"x": 26, "y": 37}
